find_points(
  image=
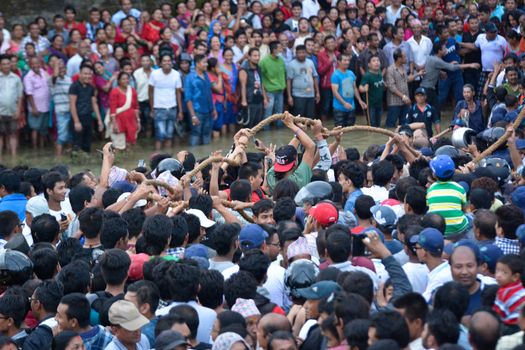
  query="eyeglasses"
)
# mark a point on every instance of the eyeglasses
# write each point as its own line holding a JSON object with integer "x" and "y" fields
{"x": 31, "y": 299}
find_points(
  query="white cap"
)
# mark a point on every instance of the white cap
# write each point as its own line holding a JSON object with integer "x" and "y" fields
{"x": 37, "y": 206}
{"x": 140, "y": 202}
{"x": 204, "y": 221}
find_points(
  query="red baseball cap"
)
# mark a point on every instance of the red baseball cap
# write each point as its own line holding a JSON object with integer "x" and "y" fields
{"x": 285, "y": 158}
{"x": 135, "y": 271}
{"x": 324, "y": 213}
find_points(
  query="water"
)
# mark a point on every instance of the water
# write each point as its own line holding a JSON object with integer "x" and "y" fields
{"x": 45, "y": 158}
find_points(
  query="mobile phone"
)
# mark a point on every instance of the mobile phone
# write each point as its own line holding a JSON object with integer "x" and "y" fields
{"x": 141, "y": 163}
{"x": 63, "y": 217}
{"x": 358, "y": 247}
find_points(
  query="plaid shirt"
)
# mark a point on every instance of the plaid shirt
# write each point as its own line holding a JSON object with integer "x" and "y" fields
{"x": 97, "y": 338}
{"x": 508, "y": 246}
{"x": 177, "y": 252}
{"x": 40, "y": 46}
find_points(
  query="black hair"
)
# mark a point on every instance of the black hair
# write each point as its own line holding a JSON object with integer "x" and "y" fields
{"x": 45, "y": 261}
{"x": 75, "y": 277}
{"x": 49, "y": 293}
{"x": 414, "y": 305}
{"x": 255, "y": 262}
{"x": 77, "y": 307}
{"x": 355, "y": 173}
{"x": 339, "y": 246}
{"x": 510, "y": 217}
{"x": 485, "y": 220}
{"x": 350, "y": 306}
{"x": 363, "y": 204}
{"x": 113, "y": 230}
{"x": 179, "y": 232}
{"x": 45, "y": 228}
{"x": 382, "y": 172}
{"x": 202, "y": 202}
{"x": 194, "y": 226}
{"x": 403, "y": 185}
{"x": 211, "y": 288}
{"x": 166, "y": 322}
{"x": 284, "y": 209}
{"x": 391, "y": 325}
{"x": 157, "y": 231}
{"x": 513, "y": 262}
{"x": 452, "y": 296}
{"x": 182, "y": 280}
{"x": 385, "y": 344}
{"x": 8, "y": 222}
{"x": 14, "y": 306}
{"x": 25, "y": 188}
{"x": 356, "y": 333}
{"x": 443, "y": 325}
{"x": 146, "y": 292}
{"x": 416, "y": 197}
{"x": 280, "y": 335}
{"x": 359, "y": 283}
{"x": 10, "y": 181}
{"x": 261, "y": 206}
{"x": 62, "y": 340}
{"x": 90, "y": 221}
{"x": 114, "y": 264}
{"x": 190, "y": 316}
{"x": 240, "y": 190}
{"x": 134, "y": 217}
{"x": 225, "y": 236}
{"x": 68, "y": 250}
{"x": 79, "y": 195}
{"x": 434, "y": 220}
{"x": 110, "y": 196}
{"x": 50, "y": 180}
{"x": 285, "y": 188}
{"x": 240, "y": 285}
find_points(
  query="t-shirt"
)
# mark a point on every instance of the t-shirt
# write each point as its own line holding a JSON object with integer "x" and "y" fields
{"x": 300, "y": 74}
{"x": 84, "y": 94}
{"x": 301, "y": 176}
{"x": 447, "y": 199}
{"x": 165, "y": 85}
{"x": 376, "y": 86}
{"x": 59, "y": 92}
{"x": 273, "y": 73}
{"x": 345, "y": 81}
{"x": 426, "y": 115}
{"x": 491, "y": 51}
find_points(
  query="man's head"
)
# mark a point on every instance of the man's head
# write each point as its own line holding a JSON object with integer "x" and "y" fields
{"x": 45, "y": 299}
{"x": 13, "y": 309}
{"x": 177, "y": 281}
{"x": 509, "y": 217}
{"x": 263, "y": 212}
{"x": 9, "y": 182}
{"x": 114, "y": 264}
{"x": 226, "y": 240}
{"x": 389, "y": 325}
{"x": 414, "y": 309}
{"x": 464, "y": 262}
{"x": 484, "y": 330}
{"x": 442, "y": 327}
{"x": 429, "y": 245}
{"x": 73, "y": 312}
{"x": 270, "y": 324}
{"x": 343, "y": 62}
{"x": 373, "y": 41}
{"x": 508, "y": 269}
{"x": 126, "y": 322}
{"x": 114, "y": 233}
{"x": 339, "y": 246}
{"x": 86, "y": 74}
{"x": 145, "y": 295}
{"x": 201, "y": 63}
{"x": 45, "y": 228}
{"x": 157, "y": 231}
{"x": 282, "y": 340}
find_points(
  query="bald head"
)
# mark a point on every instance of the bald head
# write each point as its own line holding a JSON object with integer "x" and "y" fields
{"x": 269, "y": 324}
{"x": 484, "y": 330}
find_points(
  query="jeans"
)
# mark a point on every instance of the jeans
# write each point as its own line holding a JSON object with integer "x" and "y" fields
{"x": 275, "y": 103}
{"x": 304, "y": 106}
{"x": 454, "y": 83}
{"x": 344, "y": 118}
{"x": 82, "y": 139}
{"x": 145, "y": 111}
{"x": 326, "y": 101}
{"x": 164, "y": 123}
{"x": 201, "y": 134}
{"x": 432, "y": 100}
{"x": 63, "y": 128}
{"x": 375, "y": 115}
{"x": 219, "y": 122}
{"x": 396, "y": 115}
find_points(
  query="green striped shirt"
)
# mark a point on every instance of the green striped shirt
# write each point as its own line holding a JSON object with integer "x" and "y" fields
{"x": 447, "y": 199}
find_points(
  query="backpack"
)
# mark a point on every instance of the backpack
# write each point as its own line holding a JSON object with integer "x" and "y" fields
{"x": 97, "y": 300}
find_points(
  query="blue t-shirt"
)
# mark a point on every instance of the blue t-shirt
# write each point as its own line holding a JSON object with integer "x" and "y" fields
{"x": 346, "y": 81}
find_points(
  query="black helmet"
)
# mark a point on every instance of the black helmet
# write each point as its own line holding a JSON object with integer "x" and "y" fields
{"x": 173, "y": 166}
{"x": 301, "y": 273}
{"x": 499, "y": 167}
{"x": 15, "y": 268}
{"x": 313, "y": 193}
{"x": 447, "y": 150}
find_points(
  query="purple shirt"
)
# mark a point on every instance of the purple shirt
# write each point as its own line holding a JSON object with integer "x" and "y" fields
{"x": 37, "y": 85}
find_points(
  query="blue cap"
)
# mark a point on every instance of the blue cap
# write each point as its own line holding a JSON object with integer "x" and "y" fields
{"x": 471, "y": 245}
{"x": 458, "y": 122}
{"x": 384, "y": 215}
{"x": 196, "y": 250}
{"x": 319, "y": 290}
{"x": 490, "y": 27}
{"x": 518, "y": 197}
{"x": 431, "y": 240}
{"x": 520, "y": 234}
{"x": 123, "y": 186}
{"x": 443, "y": 166}
{"x": 420, "y": 91}
{"x": 465, "y": 185}
{"x": 252, "y": 236}
{"x": 520, "y": 144}
{"x": 426, "y": 151}
{"x": 490, "y": 254}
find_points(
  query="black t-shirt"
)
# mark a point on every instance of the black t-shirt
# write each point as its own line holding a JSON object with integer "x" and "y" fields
{"x": 84, "y": 94}
{"x": 472, "y": 56}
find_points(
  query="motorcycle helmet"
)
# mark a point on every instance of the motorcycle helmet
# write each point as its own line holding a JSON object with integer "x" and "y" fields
{"x": 313, "y": 193}
{"x": 15, "y": 268}
{"x": 173, "y": 166}
{"x": 301, "y": 273}
{"x": 447, "y": 150}
{"x": 499, "y": 167}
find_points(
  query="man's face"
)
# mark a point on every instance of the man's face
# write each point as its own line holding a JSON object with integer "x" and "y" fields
{"x": 463, "y": 266}
{"x": 372, "y": 338}
{"x": 70, "y": 15}
{"x": 330, "y": 45}
{"x": 468, "y": 94}
{"x": 296, "y": 11}
{"x": 273, "y": 248}
{"x": 512, "y": 77}
{"x": 374, "y": 42}
{"x": 251, "y": 325}
{"x": 166, "y": 63}
{"x": 128, "y": 338}
{"x": 34, "y": 30}
{"x": 309, "y": 47}
{"x": 241, "y": 40}
{"x": 344, "y": 62}
{"x": 35, "y": 64}
{"x": 254, "y": 57}
{"x": 5, "y": 66}
{"x": 265, "y": 218}
{"x": 84, "y": 48}
{"x": 61, "y": 317}
{"x": 145, "y": 62}
{"x": 94, "y": 16}
{"x": 473, "y": 24}
{"x": 417, "y": 29}
{"x": 58, "y": 192}
{"x": 491, "y": 36}
{"x": 126, "y": 5}
{"x": 311, "y": 308}
{"x": 203, "y": 64}
{"x": 166, "y": 11}
{"x": 452, "y": 27}
{"x": 85, "y": 75}
{"x": 59, "y": 23}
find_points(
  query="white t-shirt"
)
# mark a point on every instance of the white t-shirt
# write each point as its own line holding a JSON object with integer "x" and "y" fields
{"x": 379, "y": 193}
{"x": 417, "y": 275}
{"x": 491, "y": 51}
{"x": 420, "y": 51}
{"x": 436, "y": 278}
{"x": 165, "y": 85}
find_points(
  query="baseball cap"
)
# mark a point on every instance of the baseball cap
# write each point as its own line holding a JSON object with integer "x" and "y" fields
{"x": 285, "y": 158}
{"x": 123, "y": 186}
{"x": 520, "y": 233}
{"x": 169, "y": 339}
{"x": 406, "y": 130}
{"x": 140, "y": 203}
{"x": 185, "y": 57}
{"x": 37, "y": 206}
{"x": 491, "y": 28}
{"x": 252, "y": 236}
{"x": 204, "y": 221}
{"x": 518, "y": 197}
{"x": 324, "y": 213}
{"x": 136, "y": 268}
{"x": 384, "y": 215}
{"x": 196, "y": 250}
{"x": 520, "y": 144}
{"x": 125, "y": 314}
{"x": 469, "y": 244}
{"x": 431, "y": 240}
{"x": 319, "y": 290}
{"x": 490, "y": 254}
{"x": 442, "y": 166}
{"x": 458, "y": 122}
{"x": 421, "y": 91}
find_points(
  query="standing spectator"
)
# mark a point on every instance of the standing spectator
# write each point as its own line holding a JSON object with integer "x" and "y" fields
{"x": 142, "y": 76}
{"x": 73, "y": 64}
{"x": 326, "y": 64}
{"x": 420, "y": 46}
{"x": 11, "y": 198}
{"x": 372, "y": 85}
{"x": 11, "y": 99}
{"x": 58, "y": 29}
{"x": 398, "y": 43}
{"x": 471, "y": 55}
{"x": 198, "y": 97}
{"x": 164, "y": 96}
{"x": 60, "y": 84}
{"x": 372, "y": 49}
{"x": 273, "y": 72}
{"x": 470, "y": 110}
{"x": 36, "y": 86}
{"x": 397, "y": 94}
{"x": 393, "y": 11}
{"x": 70, "y": 13}
{"x": 41, "y": 43}
{"x": 344, "y": 89}
{"x": 252, "y": 90}
{"x": 126, "y": 322}
{"x": 302, "y": 86}
{"x": 93, "y": 24}
{"x": 82, "y": 104}
{"x": 124, "y": 110}
{"x": 126, "y": 10}
{"x": 422, "y": 115}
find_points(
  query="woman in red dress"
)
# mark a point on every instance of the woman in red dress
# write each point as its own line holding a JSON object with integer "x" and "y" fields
{"x": 124, "y": 109}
